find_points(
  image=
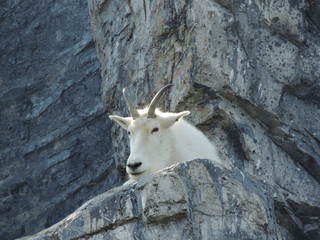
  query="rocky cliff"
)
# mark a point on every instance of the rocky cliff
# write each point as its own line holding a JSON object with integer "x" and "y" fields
{"x": 55, "y": 146}
{"x": 249, "y": 73}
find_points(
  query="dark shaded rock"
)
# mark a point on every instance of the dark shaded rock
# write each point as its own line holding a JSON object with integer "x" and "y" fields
{"x": 55, "y": 146}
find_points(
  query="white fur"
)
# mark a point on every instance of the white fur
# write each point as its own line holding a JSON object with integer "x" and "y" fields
{"x": 175, "y": 141}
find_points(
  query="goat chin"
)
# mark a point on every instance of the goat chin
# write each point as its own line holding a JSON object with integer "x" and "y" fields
{"x": 129, "y": 182}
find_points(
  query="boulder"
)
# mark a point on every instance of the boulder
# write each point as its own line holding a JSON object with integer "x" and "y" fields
{"x": 191, "y": 200}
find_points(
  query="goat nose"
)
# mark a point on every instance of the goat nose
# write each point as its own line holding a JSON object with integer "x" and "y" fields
{"x": 134, "y": 166}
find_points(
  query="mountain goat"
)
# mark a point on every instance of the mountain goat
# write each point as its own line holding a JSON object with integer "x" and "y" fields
{"x": 160, "y": 139}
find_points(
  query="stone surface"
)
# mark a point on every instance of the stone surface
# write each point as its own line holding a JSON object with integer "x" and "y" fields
{"x": 192, "y": 200}
{"x": 55, "y": 146}
{"x": 249, "y": 72}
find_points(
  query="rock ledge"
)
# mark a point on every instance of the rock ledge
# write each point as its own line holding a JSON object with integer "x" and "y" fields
{"x": 191, "y": 200}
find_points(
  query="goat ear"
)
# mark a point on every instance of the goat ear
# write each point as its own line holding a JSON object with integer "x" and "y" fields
{"x": 181, "y": 115}
{"x": 170, "y": 120}
{"x": 122, "y": 121}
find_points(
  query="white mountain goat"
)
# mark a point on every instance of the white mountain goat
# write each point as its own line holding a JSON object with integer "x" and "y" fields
{"x": 160, "y": 139}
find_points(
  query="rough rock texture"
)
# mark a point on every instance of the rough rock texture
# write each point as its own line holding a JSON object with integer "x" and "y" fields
{"x": 55, "y": 145}
{"x": 249, "y": 72}
{"x": 204, "y": 202}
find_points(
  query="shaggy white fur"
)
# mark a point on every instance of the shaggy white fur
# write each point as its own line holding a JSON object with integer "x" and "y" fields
{"x": 158, "y": 142}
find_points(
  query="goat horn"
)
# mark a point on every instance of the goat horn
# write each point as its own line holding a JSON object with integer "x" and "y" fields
{"x": 155, "y": 100}
{"x": 132, "y": 109}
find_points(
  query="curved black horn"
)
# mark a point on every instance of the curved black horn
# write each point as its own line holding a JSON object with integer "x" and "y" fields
{"x": 155, "y": 100}
{"x": 132, "y": 109}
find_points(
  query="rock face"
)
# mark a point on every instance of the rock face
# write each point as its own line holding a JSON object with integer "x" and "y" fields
{"x": 55, "y": 146}
{"x": 249, "y": 73}
{"x": 193, "y": 200}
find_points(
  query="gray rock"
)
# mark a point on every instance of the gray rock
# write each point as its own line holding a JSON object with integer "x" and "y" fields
{"x": 55, "y": 146}
{"x": 192, "y": 200}
{"x": 247, "y": 70}
{"x": 249, "y": 73}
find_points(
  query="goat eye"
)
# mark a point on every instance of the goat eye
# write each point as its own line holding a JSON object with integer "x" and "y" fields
{"x": 128, "y": 133}
{"x": 155, "y": 130}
